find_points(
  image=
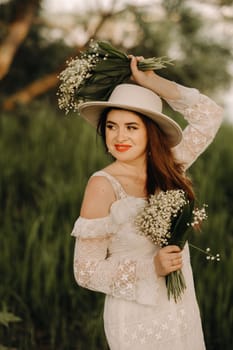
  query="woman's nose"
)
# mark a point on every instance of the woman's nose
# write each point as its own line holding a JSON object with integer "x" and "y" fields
{"x": 121, "y": 135}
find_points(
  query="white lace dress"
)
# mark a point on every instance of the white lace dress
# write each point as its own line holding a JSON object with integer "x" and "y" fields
{"x": 111, "y": 257}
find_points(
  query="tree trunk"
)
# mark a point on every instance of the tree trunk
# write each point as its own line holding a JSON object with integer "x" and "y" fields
{"x": 34, "y": 89}
{"x": 46, "y": 83}
{"x": 17, "y": 32}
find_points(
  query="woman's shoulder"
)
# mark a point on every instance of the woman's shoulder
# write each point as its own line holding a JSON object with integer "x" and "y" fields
{"x": 98, "y": 197}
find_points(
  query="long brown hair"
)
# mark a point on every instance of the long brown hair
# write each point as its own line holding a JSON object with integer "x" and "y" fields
{"x": 163, "y": 171}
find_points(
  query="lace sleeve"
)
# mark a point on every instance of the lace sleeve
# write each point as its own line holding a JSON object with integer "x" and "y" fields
{"x": 96, "y": 270}
{"x": 204, "y": 117}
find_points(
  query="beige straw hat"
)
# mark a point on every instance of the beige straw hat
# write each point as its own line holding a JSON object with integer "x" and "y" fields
{"x": 134, "y": 98}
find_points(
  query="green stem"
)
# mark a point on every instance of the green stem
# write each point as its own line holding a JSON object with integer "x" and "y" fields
{"x": 201, "y": 250}
{"x": 176, "y": 285}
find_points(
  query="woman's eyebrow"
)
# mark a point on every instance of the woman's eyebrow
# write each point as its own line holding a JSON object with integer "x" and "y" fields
{"x": 129, "y": 123}
{"x": 132, "y": 123}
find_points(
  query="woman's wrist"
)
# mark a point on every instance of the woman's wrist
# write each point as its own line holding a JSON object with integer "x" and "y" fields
{"x": 149, "y": 79}
{"x": 165, "y": 88}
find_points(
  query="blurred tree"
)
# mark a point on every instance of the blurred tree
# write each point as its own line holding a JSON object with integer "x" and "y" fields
{"x": 201, "y": 59}
{"x": 20, "y": 19}
{"x": 31, "y": 59}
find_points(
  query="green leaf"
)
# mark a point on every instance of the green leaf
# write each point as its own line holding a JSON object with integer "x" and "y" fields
{"x": 180, "y": 228}
{"x": 2, "y": 347}
{"x": 154, "y": 63}
{"x": 101, "y": 86}
{"x": 94, "y": 91}
{"x": 112, "y": 66}
{"x": 8, "y": 317}
{"x": 99, "y": 78}
{"x": 175, "y": 284}
{"x": 109, "y": 49}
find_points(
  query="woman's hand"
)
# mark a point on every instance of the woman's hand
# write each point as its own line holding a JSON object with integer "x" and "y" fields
{"x": 150, "y": 80}
{"x": 138, "y": 76}
{"x": 168, "y": 259}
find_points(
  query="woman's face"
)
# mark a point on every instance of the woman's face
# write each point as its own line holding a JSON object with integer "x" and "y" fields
{"x": 126, "y": 135}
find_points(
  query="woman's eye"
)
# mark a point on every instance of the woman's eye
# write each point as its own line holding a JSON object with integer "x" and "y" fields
{"x": 110, "y": 126}
{"x": 130, "y": 127}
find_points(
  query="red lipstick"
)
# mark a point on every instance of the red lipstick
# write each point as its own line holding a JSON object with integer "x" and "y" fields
{"x": 122, "y": 147}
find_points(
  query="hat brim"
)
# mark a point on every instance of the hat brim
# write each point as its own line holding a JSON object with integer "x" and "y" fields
{"x": 91, "y": 112}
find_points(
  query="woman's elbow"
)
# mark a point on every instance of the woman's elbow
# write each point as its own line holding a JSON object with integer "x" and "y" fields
{"x": 79, "y": 274}
{"x": 83, "y": 273}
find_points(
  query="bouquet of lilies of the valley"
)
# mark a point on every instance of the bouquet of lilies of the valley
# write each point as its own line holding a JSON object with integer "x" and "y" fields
{"x": 95, "y": 74}
{"x": 166, "y": 220}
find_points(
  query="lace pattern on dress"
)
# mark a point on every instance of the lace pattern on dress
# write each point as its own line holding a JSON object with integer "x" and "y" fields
{"x": 84, "y": 271}
{"x": 125, "y": 280}
{"x": 204, "y": 117}
{"x": 154, "y": 332}
{"x": 95, "y": 270}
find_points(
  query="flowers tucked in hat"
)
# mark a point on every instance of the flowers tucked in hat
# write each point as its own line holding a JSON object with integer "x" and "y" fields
{"x": 95, "y": 74}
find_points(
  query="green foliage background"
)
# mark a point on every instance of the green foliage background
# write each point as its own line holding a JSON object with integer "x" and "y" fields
{"x": 45, "y": 161}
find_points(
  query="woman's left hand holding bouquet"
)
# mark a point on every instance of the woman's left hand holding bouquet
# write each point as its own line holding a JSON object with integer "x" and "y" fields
{"x": 167, "y": 260}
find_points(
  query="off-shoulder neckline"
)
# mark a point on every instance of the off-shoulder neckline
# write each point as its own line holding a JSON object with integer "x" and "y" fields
{"x": 111, "y": 208}
{"x": 119, "y": 184}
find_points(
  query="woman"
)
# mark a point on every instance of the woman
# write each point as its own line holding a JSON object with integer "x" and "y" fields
{"x": 151, "y": 154}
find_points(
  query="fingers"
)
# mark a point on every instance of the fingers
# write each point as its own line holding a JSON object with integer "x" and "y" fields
{"x": 133, "y": 64}
{"x": 167, "y": 260}
{"x": 175, "y": 263}
{"x": 143, "y": 78}
{"x": 134, "y": 61}
{"x": 137, "y": 58}
{"x": 171, "y": 249}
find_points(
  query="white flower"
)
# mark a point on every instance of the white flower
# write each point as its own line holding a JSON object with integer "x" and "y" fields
{"x": 77, "y": 71}
{"x": 156, "y": 219}
{"x": 95, "y": 74}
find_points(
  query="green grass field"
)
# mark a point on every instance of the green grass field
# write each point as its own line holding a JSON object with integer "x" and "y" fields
{"x": 45, "y": 161}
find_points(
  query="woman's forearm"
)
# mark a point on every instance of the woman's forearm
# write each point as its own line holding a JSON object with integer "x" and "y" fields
{"x": 163, "y": 87}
